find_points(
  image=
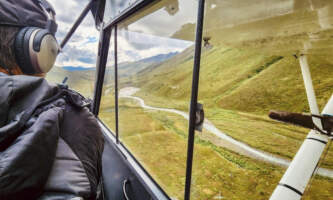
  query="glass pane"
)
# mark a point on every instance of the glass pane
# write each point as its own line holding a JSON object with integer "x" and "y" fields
{"x": 114, "y": 7}
{"x": 77, "y": 61}
{"x": 248, "y": 68}
{"x": 153, "y": 94}
{"x": 107, "y": 107}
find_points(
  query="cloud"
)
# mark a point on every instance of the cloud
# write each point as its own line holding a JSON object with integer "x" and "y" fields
{"x": 149, "y": 36}
{"x": 87, "y": 60}
{"x": 152, "y": 34}
{"x": 81, "y": 50}
{"x": 145, "y": 45}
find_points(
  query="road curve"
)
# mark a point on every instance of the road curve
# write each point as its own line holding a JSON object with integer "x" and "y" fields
{"x": 229, "y": 142}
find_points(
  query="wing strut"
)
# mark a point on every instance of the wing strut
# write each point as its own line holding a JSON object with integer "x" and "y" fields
{"x": 294, "y": 181}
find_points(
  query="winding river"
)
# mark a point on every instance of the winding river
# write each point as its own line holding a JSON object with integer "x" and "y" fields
{"x": 227, "y": 141}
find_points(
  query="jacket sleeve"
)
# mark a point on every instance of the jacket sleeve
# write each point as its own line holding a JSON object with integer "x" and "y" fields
{"x": 20, "y": 96}
{"x": 25, "y": 165}
{"x": 86, "y": 140}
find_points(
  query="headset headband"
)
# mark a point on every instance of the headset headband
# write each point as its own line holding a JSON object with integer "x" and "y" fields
{"x": 51, "y": 25}
{"x": 47, "y": 6}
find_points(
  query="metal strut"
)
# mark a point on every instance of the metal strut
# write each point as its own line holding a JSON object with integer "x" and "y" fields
{"x": 294, "y": 181}
{"x": 310, "y": 93}
{"x": 305, "y": 120}
{"x": 76, "y": 24}
{"x": 194, "y": 97}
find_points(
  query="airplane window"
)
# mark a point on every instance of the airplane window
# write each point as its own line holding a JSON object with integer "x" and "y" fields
{"x": 250, "y": 65}
{"x": 153, "y": 106}
{"x": 107, "y": 106}
{"x": 77, "y": 61}
{"x": 114, "y": 7}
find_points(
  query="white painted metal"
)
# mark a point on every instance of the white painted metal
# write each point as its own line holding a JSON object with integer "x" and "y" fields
{"x": 309, "y": 89}
{"x": 305, "y": 161}
{"x": 303, "y": 165}
{"x": 283, "y": 193}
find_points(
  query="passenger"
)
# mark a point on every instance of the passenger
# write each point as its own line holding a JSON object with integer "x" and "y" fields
{"x": 50, "y": 143}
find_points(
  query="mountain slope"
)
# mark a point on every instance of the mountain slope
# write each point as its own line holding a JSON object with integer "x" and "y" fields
{"x": 126, "y": 69}
{"x": 237, "y": 88}
{"x": 239, "y": 79}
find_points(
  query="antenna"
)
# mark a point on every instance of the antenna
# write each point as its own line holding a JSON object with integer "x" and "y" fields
{"x": 65, "y": 80}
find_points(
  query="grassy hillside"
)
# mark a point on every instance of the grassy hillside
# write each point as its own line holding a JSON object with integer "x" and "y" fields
{"x": 159, "y": 141}
{"x": 243, "y": 80}
{"x": 281, "y": 87}
{"x": 238, "y": 87}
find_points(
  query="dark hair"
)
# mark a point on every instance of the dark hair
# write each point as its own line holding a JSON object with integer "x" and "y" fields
{"x": 7, "y": 54}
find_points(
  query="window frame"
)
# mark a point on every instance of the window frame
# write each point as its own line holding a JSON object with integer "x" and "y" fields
{"x": 101, "y": 65}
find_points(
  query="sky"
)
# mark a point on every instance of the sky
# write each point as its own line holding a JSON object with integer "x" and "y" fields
{"x": 142, "y": 39}
{"x": 81, "y": 50}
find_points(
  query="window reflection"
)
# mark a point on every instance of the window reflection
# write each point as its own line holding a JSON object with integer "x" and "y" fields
{"x": 271, "y": 25}
{"x": 249, "y": 66}
{"x": 114, "y": 8}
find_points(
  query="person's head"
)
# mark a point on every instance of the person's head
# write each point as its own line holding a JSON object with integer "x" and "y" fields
{"x": 27, "y": 50}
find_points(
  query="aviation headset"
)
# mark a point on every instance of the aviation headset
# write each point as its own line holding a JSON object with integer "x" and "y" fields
{"x": 36, "y": 49}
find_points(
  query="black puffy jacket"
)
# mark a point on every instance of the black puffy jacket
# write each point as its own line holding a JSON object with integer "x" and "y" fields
{"x": 50, "y": 143}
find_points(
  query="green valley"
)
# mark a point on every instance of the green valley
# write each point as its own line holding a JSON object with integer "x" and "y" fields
{"x": 249, "y": 66}
{"x": 237, "y": 87}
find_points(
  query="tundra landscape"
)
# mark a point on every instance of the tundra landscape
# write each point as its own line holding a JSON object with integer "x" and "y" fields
{"x": 249, "y": 66}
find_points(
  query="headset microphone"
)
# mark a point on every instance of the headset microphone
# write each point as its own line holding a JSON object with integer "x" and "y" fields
{"x": 36, "y": 49}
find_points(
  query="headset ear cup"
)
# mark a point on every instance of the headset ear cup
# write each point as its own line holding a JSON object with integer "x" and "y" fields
{"x": 45, "y": 50}
{"x": 18, "y": 46}
{"x": 28, "y": 67}
{"x": 39, "y": 38}
{"x": 23, "y": 51}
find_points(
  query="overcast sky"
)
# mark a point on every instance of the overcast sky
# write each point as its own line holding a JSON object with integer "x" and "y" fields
{"x": 145, "y": 38}
{"x": 82, "y": 48}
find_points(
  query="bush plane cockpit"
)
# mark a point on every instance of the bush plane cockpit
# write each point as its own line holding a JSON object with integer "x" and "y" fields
{"x": 182, "y": 90}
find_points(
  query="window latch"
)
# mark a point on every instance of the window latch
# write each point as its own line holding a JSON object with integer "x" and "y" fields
{"x": 199, "y": 117}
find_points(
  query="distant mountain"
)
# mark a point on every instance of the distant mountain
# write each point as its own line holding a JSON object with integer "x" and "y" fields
{"x": 127, "y": 69}
{"x": 159, "y": 57}
{"x": 78, "y": 68}
{"x": 131, "y": 68}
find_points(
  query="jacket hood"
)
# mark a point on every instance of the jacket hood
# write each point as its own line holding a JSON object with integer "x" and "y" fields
{"x": 22, "y": 13}
{"x": 19, "y": 97}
